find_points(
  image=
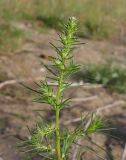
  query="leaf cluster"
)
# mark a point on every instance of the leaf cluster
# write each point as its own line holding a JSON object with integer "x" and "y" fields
{"x": 42, "y": 138}
{"x": 64, "y": 65}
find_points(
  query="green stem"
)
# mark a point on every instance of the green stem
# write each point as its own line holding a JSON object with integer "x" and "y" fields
{"x": 58, "y": 152}
{"x": 58, "y": 146}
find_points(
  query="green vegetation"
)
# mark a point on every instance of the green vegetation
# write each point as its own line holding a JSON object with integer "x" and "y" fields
{"x": 52, "y": 21}
{"x": 50, "y": 140}
{"x": 111, "y": 76}
{"x": 11, "y": 38}
{"x": 98, "y": 19}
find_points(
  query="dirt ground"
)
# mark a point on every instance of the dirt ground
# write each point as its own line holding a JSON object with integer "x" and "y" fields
{"x": 16, "y": 106}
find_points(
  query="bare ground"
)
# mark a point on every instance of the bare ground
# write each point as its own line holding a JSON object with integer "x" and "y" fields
{"x": 16, "y": 106}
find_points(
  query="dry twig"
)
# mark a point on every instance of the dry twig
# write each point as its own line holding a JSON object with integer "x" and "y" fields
{"x": 80, "y": 84}
{"x": 124, "y": 153}
{"x": 97, "y": 111}
{"x": 84, "y": 99}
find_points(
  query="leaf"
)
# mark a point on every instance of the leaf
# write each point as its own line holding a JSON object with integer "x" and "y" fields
{"x": 49, "y": 69}
{"x": 29, "y": 88}
{"x": 65, "y": 102}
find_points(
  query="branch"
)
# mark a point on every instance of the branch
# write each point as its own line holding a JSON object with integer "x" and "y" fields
{"x": 76, "y": 149}
{"x": 97, "y": 111}
{"x": 84, "y": 99}
{"x": 81, "y": 100}
{"x": 124, "y": 153}
{"x": 16, "y": 81}
{"x": 80, "y": 84}
{"x": 116, "y": 104}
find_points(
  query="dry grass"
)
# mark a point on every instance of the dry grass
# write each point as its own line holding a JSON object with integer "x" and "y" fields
{"x": 98, "y": 19}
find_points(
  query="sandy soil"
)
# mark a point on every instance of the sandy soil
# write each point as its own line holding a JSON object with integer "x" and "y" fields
{"x": 16, "y": 106}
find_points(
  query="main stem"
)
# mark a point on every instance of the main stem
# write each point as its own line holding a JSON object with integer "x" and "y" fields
{"x": 58, "y": 152}
{"x": 58, "y": 149}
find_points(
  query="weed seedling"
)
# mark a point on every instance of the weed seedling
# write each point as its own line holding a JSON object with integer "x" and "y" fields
{"x": 49, "y": 140}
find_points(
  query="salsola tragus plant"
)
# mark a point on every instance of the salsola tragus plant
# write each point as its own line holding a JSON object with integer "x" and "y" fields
{"x": 48, "y": 140}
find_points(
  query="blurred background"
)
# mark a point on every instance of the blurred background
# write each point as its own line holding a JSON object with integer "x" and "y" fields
{"x": 26, "y": 28}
